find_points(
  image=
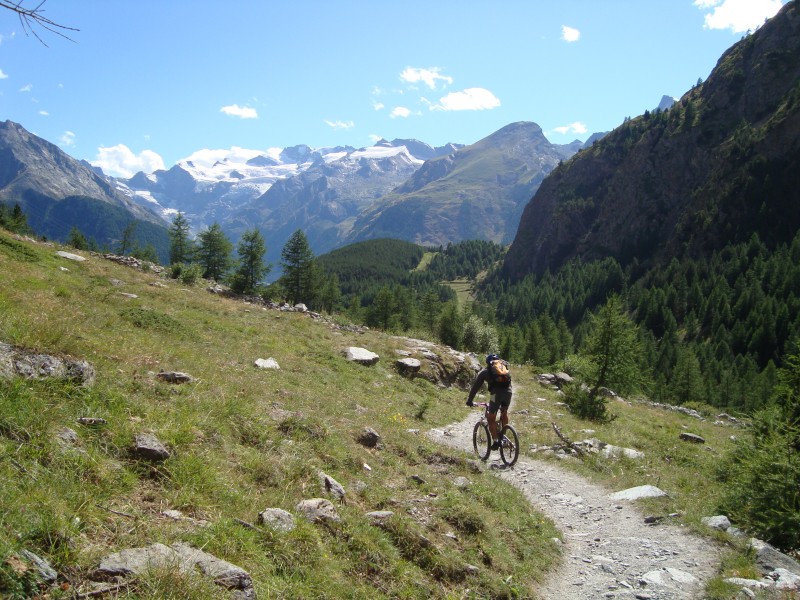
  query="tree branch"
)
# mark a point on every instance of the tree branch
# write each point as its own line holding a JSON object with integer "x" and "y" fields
{"x": 30, "y": 17}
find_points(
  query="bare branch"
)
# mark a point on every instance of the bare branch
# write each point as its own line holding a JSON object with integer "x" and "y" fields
{"x": 32, "y": 17}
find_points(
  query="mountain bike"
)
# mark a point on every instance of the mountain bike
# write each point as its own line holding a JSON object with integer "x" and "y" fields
{"x": 482, "y": 439}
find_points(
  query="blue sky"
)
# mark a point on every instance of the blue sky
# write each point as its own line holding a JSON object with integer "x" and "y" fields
{"x": 143, "y": 84}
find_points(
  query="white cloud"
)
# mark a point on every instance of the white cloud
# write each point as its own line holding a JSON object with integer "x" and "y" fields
{"x": 243, "y": 112}
{"x": 340, "y": 124}
{"x": 3, "y": 75}
{"x": 26, "y": 88}
{"x": 44, "y": 113}
{"x": 469, "y": 99}
{"x": 576, "y": 127}
{"x": 378, "y": 105}
{"x": 570, "y": 34}
{"x": 400, "y": 111}
{"x": 120, "y": 161}
{"x": 428, "y": 76}
{"x": 68, "y": 139}
{"x": 738, "y": 15}
{"x": 375, "y": 137}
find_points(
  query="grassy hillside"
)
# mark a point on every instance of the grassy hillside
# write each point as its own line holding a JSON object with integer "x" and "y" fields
{"x": 243, "y": 440}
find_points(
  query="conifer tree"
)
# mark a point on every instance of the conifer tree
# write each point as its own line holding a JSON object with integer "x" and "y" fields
{"x": 252, "y": 269}
{"x": 181, "y": 247}
{"x": 300, "y": 273}
{"x": 214, "y": 253}
{"x": 77, "y": 240}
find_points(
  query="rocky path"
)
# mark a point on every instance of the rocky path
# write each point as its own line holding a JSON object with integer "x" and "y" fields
{"x": 610, "y": 552}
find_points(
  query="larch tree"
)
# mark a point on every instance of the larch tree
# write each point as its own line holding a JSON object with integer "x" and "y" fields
{"x": 214, "y": 253}
{"x": 300, "y": 273}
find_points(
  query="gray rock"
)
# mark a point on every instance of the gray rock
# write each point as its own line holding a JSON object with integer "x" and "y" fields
{"x": 70, "y": 256}
{"x": 369, "y": 438}
{"x": 44, "y": 571}
{"x": 222, "y": 572}
{"x": 635, "y": 493}
{"x": 408, "y": 365}
{"x": 669, "y": 576}
{"x": 692, "y": 437}
{"x": 149, "y": 447}
{"x": 720, "y": 522}
{"x": 174, "y": 377}
{"x": 462, "y": 482}
{"x": 379, "y": 516}
{"x": 277, "y": 518}
{"x": 134, "y": 561}
{"x": 785, "y": 579}
{"x": 317, "y": 510}
{"x": 331, "y": 487}
{"x": 269, "y": 363}
{"x": 361, "y": 356}
{"x": 769, "y": 558}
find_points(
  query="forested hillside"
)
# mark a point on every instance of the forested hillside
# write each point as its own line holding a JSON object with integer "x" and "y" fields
{"x": 691, "y": 216}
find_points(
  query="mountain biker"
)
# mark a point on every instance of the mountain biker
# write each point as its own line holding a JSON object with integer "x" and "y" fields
{"x": 500, "y": 395}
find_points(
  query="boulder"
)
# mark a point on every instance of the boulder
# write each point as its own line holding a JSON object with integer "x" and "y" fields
{"x": 369, "y": 438}
{"x": 277, "y": 519}
{"x": 331, "y": 487}
{"x": 174, "y": 377}
{"x": 71, "y": 256}
{"x": 317, "y": 510}
{"x": 720, "y": 522}
{"x": 635, "y": 493}
{"x": 148, "y": 447}
{"x": 692, "y": 437}
{"x": 361, "y": 356}
{"x": 408, "y": 366}
{"x": 268, "y": 363}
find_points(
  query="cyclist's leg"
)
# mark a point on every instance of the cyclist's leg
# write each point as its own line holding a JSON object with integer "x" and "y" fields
{"x": 491, "y": 416}
{"x": 503, "y": 401}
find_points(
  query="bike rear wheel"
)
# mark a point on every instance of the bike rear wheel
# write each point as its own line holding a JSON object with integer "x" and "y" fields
{"x": 482, "y": 440}
{"x": 509, "y": 445}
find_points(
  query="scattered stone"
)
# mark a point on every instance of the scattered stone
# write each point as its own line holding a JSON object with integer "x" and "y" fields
{"x": 317, "y": 510}
{"x": 128, "y": 295}
{"x": 471, "y": 569}
{"x": 277, "y": 519}
{"x": 67, "y": 436}
{"x": 408, "y": 366}
{"x": 361, "y": 356}
{"x": 300, "y": 307}
{"x": 669, "y": 576}
{"x": 462, "y": 482}
{"x": 379, "y": 516}
{"x": 692, "y": 437}
{"x": 369, "y": 438}
{"x": 44, "y": 571}
{"x": 16, "y": 362}
{"x": 635, "y": 493}
{"x": 92, "y": 421}
{"x": 268, "y": 363}
{"x": 135, "y": 561}
{"x": 149, "y": 447}
{"x": 720, "y": 522}
{"x": 769, "y": 558}
{"x": 417, "y": 479}
{"x": 70, "y": 256}
{"x": 331, "y": 487}
{"x": 174, "y": 377}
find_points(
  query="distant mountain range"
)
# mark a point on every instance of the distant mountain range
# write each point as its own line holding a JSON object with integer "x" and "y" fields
{"x": 404, "y": 189}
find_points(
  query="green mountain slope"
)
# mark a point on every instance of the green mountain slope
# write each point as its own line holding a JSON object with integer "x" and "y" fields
{"x": 475, "y": 193}
{"x": 720, "y": 165}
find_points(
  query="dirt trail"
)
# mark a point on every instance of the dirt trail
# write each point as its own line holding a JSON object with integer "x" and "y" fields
{"x": 609, "y": 551}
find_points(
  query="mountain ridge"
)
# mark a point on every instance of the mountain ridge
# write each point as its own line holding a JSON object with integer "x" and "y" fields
{"x": 720, "y": 162}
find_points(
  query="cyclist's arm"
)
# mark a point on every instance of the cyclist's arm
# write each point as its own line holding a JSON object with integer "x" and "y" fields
{"x": 476, "y": 385}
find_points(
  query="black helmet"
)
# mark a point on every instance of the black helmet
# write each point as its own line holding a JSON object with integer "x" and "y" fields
{"x": 491, "y": 357}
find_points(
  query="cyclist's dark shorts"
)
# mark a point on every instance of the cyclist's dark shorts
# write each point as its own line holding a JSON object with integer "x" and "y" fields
{"x": 501, "y": 399}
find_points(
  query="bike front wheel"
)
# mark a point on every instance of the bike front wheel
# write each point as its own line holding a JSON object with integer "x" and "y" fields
{"x": 482, "y": 440}
{"x": 509, "y": 445}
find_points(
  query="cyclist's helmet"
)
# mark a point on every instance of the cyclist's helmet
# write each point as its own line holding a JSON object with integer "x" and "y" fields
{"x": 491, "y": 357}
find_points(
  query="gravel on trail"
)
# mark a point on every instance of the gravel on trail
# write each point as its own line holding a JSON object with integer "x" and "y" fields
{"x": 609, "y": 551}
